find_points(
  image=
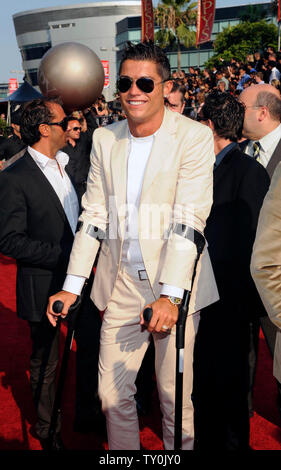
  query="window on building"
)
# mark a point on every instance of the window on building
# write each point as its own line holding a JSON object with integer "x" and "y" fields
{"x": 34, "y": 51}
{"x": 32, "y": 76}
{"x": 135, "y": 35}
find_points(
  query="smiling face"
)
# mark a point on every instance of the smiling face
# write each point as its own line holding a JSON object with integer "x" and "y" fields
{"x": 144, "y": 111}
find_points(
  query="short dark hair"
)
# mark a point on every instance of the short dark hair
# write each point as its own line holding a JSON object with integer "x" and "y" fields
{"x": 72, "y": 118}
{"x": 180, "y": 88}
{"x": 147, "y": 50}
{"x": 226, "y": 114}
{"x": 35, "y": 112}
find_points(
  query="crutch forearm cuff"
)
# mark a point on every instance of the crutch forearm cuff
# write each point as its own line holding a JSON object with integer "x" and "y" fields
{"x": 191, "y": 234}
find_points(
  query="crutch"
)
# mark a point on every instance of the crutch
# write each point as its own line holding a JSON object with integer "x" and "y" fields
{"x": 72, "y": 321}
{"x": 199, "y": 241}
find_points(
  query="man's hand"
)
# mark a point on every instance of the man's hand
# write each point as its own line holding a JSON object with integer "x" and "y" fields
{"x": 67, "y": 298}
{"x": 165, "y": 316}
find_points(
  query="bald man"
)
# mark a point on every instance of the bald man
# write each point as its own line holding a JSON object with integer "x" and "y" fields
{"x": 262, "y": 124}
{"x": 263, "y": 129}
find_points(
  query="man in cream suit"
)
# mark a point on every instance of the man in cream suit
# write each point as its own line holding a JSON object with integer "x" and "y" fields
{"x": 266, "y": 262}
{"x": 150, "y": 184}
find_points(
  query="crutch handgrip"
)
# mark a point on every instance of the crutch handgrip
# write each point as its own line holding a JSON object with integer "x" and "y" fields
{"x": 58, "y": 306}
{"x": 147, "y": 314}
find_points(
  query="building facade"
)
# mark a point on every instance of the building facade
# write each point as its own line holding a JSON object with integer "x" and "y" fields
{"x": 105, "y": 27}
{"x": 91, "y": 24}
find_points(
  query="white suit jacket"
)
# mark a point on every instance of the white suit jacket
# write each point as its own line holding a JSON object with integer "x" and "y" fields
{"x": 177, "y": 188}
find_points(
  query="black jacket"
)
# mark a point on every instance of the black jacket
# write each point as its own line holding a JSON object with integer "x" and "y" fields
{"x": 10, "y": 147}
{"x": 79, "y": 156}
{"x": 34, "y": 230}
{"x": 240, "y": 184}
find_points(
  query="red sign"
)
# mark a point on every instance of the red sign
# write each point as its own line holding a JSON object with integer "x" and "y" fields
{"x": 205, "y": 20}
{"x": 105, "y": 64}
{"x": 147, "y": 23}
{"x": 278, "y": 15}
{"x": 13, "y": 85}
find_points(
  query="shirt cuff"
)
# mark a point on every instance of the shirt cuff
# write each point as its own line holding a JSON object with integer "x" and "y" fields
{"x": 172, "y": 291}
{"x": 74, "y": 284}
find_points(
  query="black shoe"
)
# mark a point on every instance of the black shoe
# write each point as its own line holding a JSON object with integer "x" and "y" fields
{"x": 53, "y": 445}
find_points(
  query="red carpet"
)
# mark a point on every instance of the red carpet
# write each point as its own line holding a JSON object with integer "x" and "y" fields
{"x": 17, "y": 413}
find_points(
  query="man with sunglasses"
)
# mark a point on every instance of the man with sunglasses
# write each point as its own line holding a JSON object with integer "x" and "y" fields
{"x": 149, "y": 186}
{"x": 39, "y": 212}
{"x": 78, "y": 148}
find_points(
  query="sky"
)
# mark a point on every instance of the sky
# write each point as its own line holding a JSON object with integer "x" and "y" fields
{"x": 10, "y": 58}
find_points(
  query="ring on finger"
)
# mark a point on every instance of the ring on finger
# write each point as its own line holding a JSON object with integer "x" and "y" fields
{"x": 164, "y": 327}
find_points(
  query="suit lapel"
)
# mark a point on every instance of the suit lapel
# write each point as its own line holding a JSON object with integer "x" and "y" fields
{"x": 275, "y": 159}
{"x": 119, "y": 170}
{"x": 45, "y": 186}
{"x": 163, "y": 145}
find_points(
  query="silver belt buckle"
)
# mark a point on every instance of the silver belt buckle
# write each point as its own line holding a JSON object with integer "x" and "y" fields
{"x": 142, "y": 275}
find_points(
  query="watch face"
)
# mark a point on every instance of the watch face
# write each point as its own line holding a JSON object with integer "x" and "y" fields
{"x": 175, "y": 300}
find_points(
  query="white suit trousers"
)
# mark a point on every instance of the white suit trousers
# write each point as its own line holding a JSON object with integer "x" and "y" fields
{"x": 123, "y": 345}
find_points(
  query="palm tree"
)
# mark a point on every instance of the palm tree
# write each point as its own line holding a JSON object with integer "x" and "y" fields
{"x": 174, "y": 18}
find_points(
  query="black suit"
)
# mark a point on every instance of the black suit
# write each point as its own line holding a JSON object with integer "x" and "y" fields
{"x": 35, "y": 231}
{"x": 221, "y": 372}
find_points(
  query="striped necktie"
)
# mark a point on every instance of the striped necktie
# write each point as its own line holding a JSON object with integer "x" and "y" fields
{"x": 257, "y": 148}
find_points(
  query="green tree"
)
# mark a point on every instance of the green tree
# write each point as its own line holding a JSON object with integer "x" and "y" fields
{"x": 243, "y": 39}
{"x": 3, "y": 127}
{"x": 175, "y": 18}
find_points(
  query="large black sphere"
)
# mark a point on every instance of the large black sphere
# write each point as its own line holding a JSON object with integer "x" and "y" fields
{"x": 73, "y": 72}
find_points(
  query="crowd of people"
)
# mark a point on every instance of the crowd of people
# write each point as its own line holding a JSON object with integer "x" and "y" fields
{"x": 211, "y": 174}
{"x": 232, "y": 77}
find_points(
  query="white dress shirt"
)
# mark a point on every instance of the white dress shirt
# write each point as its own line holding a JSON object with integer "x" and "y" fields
{"x": 268, "y": 145}
{"x": 139, "y": 151}
{"x": 54, "y": 171}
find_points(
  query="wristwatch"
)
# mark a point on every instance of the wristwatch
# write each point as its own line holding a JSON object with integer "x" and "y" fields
{"x": 172, "y": 299}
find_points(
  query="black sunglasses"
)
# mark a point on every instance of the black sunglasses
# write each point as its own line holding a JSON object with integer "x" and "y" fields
{"x": 145, "y": 84}
{"x": 63, "y": 124}
{"x": 76, "y": 129}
